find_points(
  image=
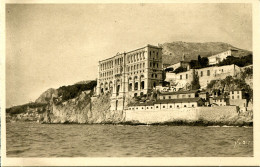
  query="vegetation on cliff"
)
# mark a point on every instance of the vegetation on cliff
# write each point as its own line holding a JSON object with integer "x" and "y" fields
{"x": 229, "y": 84}
{"x": 239, "y": 61}
{"x": 71, "y": 91}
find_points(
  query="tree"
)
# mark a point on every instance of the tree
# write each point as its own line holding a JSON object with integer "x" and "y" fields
{"x": 195, "y": 84}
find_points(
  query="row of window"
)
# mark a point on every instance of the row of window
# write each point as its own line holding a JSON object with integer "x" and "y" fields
{"x": 135, "y": 72}
{"x": 110, "y": 64}
{"x": 136, "y": 67}
{"x": 140, "y": 56}
{"x": 178, "y": 96}
{"x": 135, "y": 57}
{"x": 234, "y": 92}
{"x": 154, "y": 65}
{"x": 151, "y": 107}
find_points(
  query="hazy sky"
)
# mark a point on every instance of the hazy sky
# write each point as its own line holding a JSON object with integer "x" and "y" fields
{"x": 54, "y": 45}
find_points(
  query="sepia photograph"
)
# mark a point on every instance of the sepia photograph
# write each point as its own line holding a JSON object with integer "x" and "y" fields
{"x": 125, "y": 80}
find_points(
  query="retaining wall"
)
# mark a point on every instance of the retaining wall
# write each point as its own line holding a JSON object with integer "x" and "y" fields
{"x": 185, "y": 114}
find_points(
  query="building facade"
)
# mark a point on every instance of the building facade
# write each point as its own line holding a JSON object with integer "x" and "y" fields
{"x": 217, "y": 58}
{"x": 184, "y": 79}
{"x": 130, "y": 74}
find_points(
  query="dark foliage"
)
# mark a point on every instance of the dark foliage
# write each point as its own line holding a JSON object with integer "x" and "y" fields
{"x": 247, "y": 72}
{"x": 195, "y": 84}
{"x": 200, "y": 63}
{"x": 239, "y": 61}
{"x": 71, "y": 91}
{"x": 180, "y": 69}
{"x": 23, "y": 108}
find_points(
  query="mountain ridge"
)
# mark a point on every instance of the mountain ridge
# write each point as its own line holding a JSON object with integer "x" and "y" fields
{"x": 172, "y": 52}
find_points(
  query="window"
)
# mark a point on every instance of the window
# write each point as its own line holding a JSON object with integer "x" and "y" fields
{"x": 232, "y": 97}
{"x": 157, "y": 65}
{"x": 186, "y": 76}
{"x": 152, "y": 75}
{"x": 208, "y": 73}
{"x": 180, "y": 76}
{"x": 163, "y": 107}
{"x": 201, "y": 73}
{"x": 192, "y": 105}
{"x": 170, "y": 97}
{"x": 184, "y": 105}
{"x": 170, "y": 106}
{"x": 157, "y": 107}
{"x": 232, "y": 92}
{"x": 163, "y": 97}
{"x": 155, "y": 75}
{"x": 177, "y": 106}
{"x": 220, "y": 104}
{"x": 150, "y": 64}
{"x": 237, "y": 92}
{"x": 143, "y": 65}
{"x": 220, "y": 100}
{"x": 189, "y": 95}
{"x": 238, "y": 96}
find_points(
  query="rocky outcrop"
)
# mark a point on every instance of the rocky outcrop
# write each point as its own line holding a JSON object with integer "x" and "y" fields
{"x": 46, "y": 96}
{"x": 84, "y": 109}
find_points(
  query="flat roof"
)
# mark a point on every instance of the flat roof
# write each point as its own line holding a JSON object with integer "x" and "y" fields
{"x": 179, "y": 92}
{"x": 165, "y": 101}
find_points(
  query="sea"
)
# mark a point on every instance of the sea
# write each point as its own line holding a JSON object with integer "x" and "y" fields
{"x": 24, "y": 139}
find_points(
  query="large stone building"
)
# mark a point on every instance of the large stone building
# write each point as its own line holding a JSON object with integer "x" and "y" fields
{"x": 130, "y": 74}
{"x": 217, "y": 58}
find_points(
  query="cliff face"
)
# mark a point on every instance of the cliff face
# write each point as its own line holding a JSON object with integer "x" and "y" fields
{"x": 46, "y": 96}
{"x": 83, "y": 109}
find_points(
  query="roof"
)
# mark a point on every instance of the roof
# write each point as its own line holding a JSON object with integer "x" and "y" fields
{"x": 165, "y": 101}
{"x": 220, "y": 97}
{"x": 149, "y": 103}
{"x": 179, "y": 92}
{"x": 237, "y": 89}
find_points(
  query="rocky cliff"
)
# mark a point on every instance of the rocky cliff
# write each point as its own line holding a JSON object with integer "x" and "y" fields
{"x": 46, "y": 96}
{"x": 83, "y": 109}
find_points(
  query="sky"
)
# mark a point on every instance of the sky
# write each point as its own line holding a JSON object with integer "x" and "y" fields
{"x": 51, "y": 45}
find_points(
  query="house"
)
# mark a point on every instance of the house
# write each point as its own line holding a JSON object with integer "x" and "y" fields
{"x": 178, "y": 103}
{"x": 237, "y": 97}
{"x": 220, "y": 100}
{"x": 178, "y": 95}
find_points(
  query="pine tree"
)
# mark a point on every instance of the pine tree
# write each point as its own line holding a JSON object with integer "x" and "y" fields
{"x": 195, "y": 84}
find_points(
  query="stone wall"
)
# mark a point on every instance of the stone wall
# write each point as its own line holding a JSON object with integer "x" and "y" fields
{"x": 218, "y": 113}
{"x": 187, "y": 114}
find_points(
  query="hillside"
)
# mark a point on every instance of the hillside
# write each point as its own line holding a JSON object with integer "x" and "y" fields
{"x": 172, "y": 52}
{"x": 46, "y": 96}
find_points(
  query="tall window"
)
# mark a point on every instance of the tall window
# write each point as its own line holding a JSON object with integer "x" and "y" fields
{"x": 201, "y": 73}
{"x": 186, "y": 76}
{"x": 180, "y": 76}
{"x": 208, "y": 73}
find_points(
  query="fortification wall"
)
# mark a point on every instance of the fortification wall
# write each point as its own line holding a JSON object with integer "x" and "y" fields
{"x": 218, "y": 113}
{"x": 187, "y": 114}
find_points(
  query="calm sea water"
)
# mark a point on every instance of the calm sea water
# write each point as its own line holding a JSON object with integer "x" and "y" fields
{"x": 57, "y": 140}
